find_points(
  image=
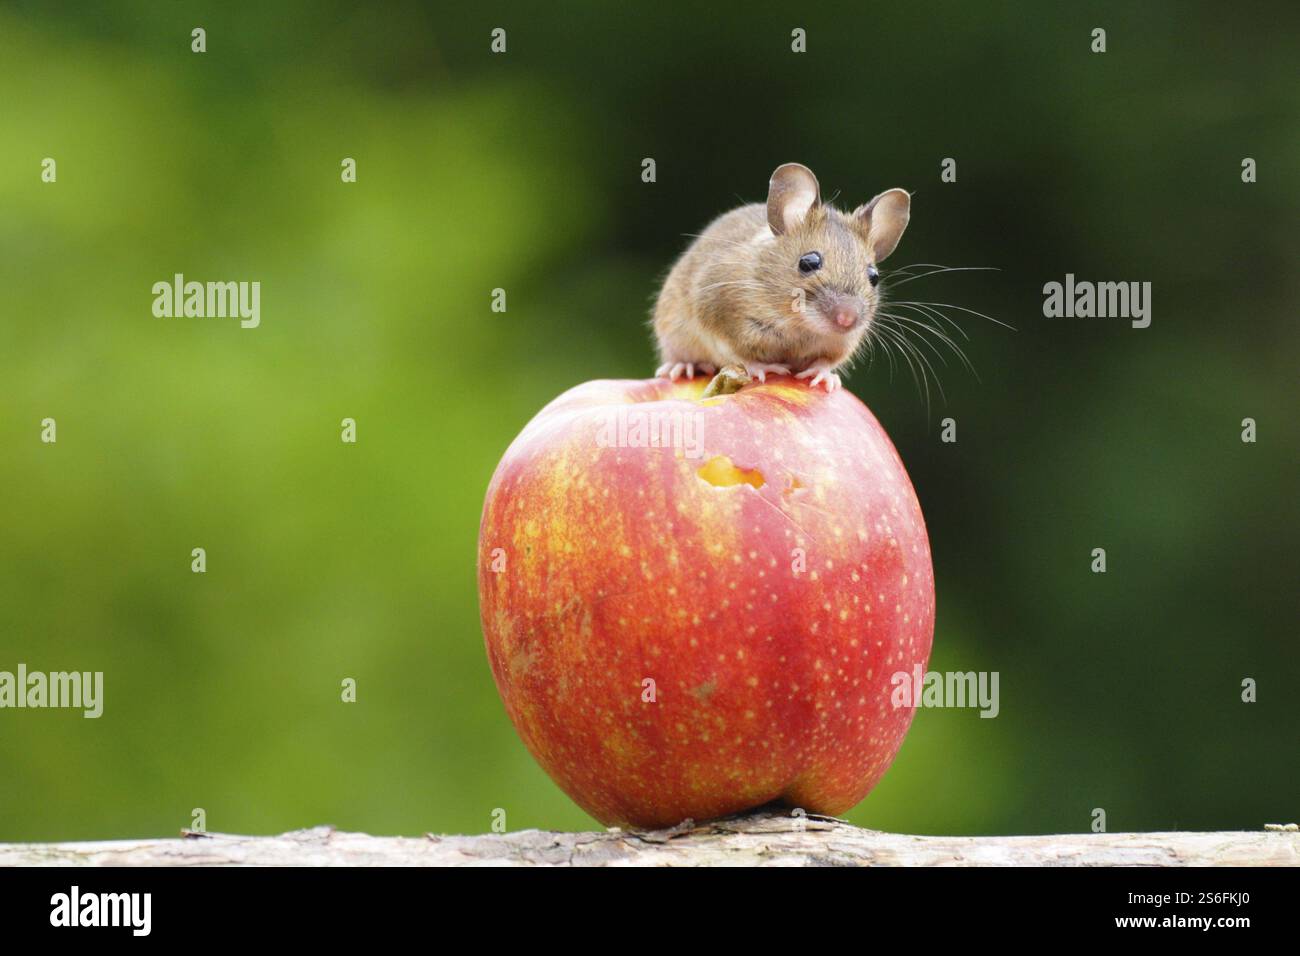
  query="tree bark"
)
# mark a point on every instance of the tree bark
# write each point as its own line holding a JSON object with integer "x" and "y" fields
{"x": 765, "y": 838}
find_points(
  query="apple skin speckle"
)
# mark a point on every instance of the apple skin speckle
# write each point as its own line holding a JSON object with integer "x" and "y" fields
{"x": 646, "y": 664}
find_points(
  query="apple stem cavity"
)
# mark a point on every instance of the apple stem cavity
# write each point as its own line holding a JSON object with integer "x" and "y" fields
{"x": 730, "y": 379}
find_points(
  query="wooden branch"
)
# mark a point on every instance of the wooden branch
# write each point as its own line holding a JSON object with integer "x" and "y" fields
{"x": 765, "y": 838}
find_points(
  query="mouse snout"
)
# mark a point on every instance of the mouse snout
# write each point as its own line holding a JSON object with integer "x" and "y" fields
{"x": 845, "y": 316}
{"x": 844, "y": 312}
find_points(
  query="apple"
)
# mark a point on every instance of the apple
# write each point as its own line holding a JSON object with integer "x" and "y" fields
{"x": 695, "y": 606}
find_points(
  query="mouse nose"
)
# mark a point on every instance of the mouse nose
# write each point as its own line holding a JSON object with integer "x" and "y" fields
{"x": 844, "y": 314}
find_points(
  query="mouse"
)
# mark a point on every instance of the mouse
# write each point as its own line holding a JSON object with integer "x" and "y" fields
{"x": 786, "y": 287}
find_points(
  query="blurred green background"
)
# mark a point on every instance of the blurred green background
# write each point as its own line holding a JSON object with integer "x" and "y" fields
{"x": 522, "y": 171}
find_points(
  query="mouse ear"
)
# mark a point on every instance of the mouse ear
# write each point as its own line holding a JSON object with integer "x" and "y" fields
{"x": 792, "y": 192}
{"x": 883, "y": 220}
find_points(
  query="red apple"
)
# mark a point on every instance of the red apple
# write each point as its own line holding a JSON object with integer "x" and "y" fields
{"x": 703, "y": 617}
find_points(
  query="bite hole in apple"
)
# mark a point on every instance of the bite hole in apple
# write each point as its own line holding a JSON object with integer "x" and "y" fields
{"x": 721, "y": 472}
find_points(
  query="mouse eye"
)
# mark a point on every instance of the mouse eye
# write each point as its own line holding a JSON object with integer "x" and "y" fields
{"x": 873, "y": 275}
{"x": 810, "y": 262}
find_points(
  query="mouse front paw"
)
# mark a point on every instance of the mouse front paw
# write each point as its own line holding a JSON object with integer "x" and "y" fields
{"x": 759, "y": 370}
{"x": 675, "y": 370}
{"x": 821, "y": 374}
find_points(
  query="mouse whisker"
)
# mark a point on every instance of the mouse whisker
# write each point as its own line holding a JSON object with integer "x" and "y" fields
{"x": 915, "y": 327}
{"x": 910, "y": 351}
{"x": 915, "y": 265}
{"x": 943, "y": 337}
{"x": 948, "y": 305}
{"x": 906, "y": 352}
{"x": 929, "y": 265}
{"x": 927, "y": 322}
{"x": 877, "y": 336}
{"x": 929, "y": 313}
{"x": 922, "y": 369}
{"x": 937, "y": 270}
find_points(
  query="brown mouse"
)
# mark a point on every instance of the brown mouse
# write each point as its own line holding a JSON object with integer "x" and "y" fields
{"x": 790, "y": 286}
